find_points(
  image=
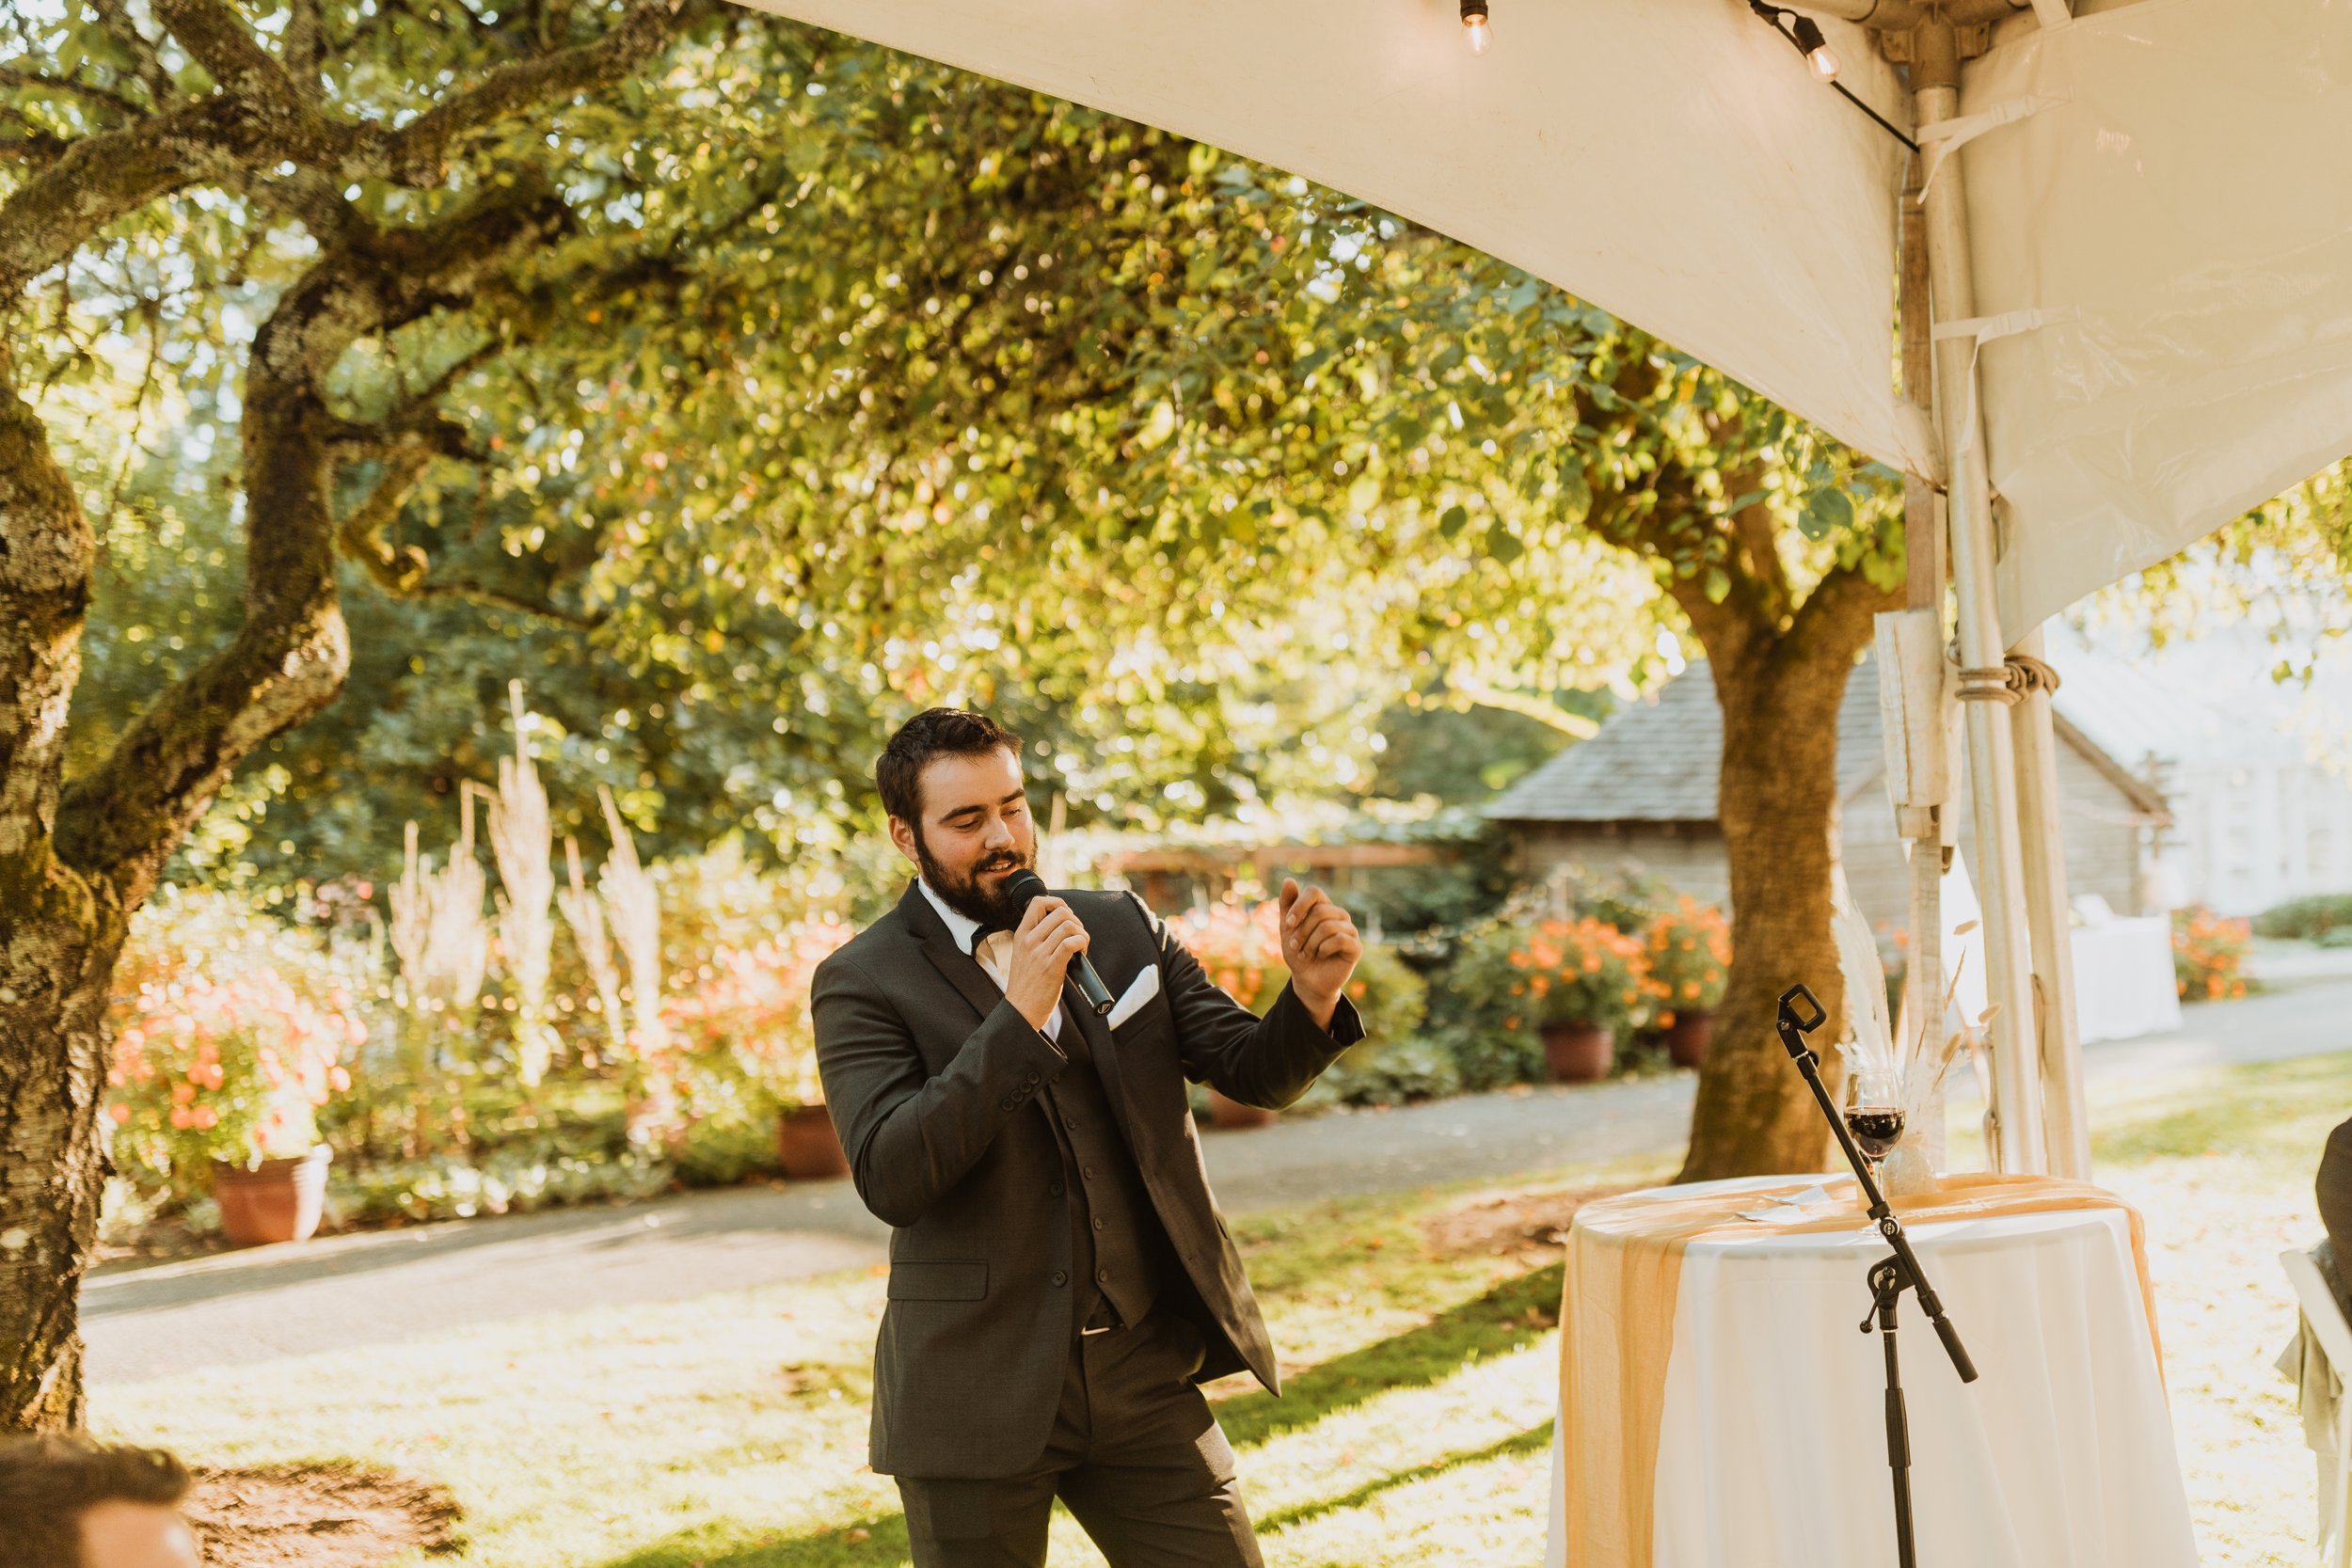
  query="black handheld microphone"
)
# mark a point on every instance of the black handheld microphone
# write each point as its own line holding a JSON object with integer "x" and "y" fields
{"x": 1026, "y": 886}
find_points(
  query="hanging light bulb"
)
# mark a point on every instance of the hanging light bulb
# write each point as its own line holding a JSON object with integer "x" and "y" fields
{"x": 1818, "y": 56}
{"x": 1481, "y": 31}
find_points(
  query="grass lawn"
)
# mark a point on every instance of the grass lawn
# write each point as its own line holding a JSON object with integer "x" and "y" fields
{"x": 729, "y": 1431}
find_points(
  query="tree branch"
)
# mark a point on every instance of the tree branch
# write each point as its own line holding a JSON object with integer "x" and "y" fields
{"x": 104, "y": 98}
{"x": 218, "y": 40}
{"x": 497, "y": 599}
{"x": 396, "y": 571}
{"x": 305, "y": 49}
{"x": 1759, "y": 534}
{"x": 418, "y": 154}
{"x": 119, "y": 820}
{"x": 98, "y": 179}
{"x": 1470, "y": 691}
{"x": 31, "y": 146}
{"x": 115, "y": 17}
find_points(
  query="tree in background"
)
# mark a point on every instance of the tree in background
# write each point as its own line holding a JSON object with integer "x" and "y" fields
{"x": 286, "y": 225}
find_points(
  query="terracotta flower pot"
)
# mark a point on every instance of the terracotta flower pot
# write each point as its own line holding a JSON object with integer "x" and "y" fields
{"x": 1579, "y": 1052}
{"x": 1232, "y": 1114}
{"x": 811, "y": 1149}
{"x": 1688, "y": 1035}
{"x": 277, "y": 1200}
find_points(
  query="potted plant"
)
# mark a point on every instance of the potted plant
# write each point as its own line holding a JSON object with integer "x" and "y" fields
{"x": 1583, "y": 980}
{"x": 744, "y": 1035}
{"x": 1688, "y": 950}
{"x": 218, "y": 1081}
{"x": 1241, "y": 951}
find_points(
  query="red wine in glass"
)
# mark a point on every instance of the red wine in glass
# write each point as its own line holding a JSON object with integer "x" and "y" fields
{"x": 1876, "y": 1129}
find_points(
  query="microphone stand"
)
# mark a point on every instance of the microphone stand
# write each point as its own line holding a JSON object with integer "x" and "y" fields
{"x": 1889, "y": 1277}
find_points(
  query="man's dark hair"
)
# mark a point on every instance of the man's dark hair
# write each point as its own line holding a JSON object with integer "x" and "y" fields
{"x": 48, "y": 1484}
{"x": 942, "y": 732}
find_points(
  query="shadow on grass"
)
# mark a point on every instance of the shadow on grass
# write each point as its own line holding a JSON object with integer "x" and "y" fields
{"x": 1504, "y": 1319}
{"x": 885, "y": 1537}
{"x": 1535, "y": 1440}
{"x": 879, "y": 1542}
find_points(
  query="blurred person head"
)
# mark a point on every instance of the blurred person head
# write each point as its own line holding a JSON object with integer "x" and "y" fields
{"x": 951, "y": 782}
{"x": 69, "y": 1502}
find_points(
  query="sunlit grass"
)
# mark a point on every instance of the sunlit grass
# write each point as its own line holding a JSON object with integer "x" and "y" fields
{"x": 729, "y": 1431}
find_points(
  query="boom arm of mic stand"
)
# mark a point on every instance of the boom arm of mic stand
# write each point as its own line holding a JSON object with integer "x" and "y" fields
{"x": 1793, "y": 1031}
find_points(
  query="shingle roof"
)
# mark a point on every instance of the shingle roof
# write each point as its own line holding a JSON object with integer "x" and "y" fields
{"x": 1659, "y": 761}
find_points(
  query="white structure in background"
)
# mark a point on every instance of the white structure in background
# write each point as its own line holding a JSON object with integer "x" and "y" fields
{"x": 2258, "y": 773}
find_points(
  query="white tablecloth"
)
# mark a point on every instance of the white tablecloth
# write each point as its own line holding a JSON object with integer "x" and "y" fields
{"x": 1773, "y": 1450}
{"x": 2123, "y": 985}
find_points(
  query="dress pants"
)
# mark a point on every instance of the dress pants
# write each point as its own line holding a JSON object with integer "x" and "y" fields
{"x": 1135, "y": 1455}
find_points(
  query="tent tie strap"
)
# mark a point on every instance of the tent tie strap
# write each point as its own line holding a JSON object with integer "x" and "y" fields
{"x": 2011, "y": 681}
{"x": 1944, "y": 138}
{"x": 1980, "y": 330}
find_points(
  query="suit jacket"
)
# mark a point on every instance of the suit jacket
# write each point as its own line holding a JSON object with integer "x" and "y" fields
{"x": 931, "y": 1077}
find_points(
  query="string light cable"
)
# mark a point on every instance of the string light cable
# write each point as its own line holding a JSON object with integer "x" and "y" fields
{"x": 1804, "y": 35}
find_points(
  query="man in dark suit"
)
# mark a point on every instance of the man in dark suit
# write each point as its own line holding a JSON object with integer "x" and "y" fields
{"x": 1060, "y": 1280}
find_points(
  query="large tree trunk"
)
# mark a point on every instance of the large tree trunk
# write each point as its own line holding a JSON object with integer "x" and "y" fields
{"x": 1780, "y": 677}
{"x": 56, "y": 956}
{"x": 1778, "y": 808}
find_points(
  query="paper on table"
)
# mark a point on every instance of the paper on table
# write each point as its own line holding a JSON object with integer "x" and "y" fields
{"x": 1812, "y": 1201}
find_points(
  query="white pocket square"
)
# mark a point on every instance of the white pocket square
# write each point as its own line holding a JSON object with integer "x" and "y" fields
{"x": 1145, "y": 987}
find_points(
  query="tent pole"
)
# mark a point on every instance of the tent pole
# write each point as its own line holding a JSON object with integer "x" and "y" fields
{"x": 1983, "y": 686}
{"x": 2039, "y": 814}
{"x": 1926, "y": 789}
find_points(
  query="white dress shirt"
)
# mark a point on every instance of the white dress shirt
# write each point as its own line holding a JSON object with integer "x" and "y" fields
{"x": 994, "y": 955}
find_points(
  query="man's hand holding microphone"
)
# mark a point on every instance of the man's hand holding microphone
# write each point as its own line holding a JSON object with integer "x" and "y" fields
{"x": 1320, "y": 947}
{"x": 1047, "y": 939}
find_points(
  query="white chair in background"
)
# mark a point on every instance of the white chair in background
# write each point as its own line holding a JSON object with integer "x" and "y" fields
{"x": 2325, "y": 1326}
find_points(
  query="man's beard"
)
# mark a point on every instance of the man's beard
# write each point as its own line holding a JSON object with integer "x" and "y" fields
{"x": 965, "y": 896}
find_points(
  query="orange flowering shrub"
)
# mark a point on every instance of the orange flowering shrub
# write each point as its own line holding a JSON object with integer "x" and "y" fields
{"x": 1688, "y": 950}
{"x": 1577, "y": 971}
{"x": 2209, "y": 954}
{"x": 230, "y": 1030}
{"x": 1241, "y": 950}
{"x": 741, "y": 1021}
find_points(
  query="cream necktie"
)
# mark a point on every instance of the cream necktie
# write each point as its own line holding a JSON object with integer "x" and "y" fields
{"x": 994, "y": 954}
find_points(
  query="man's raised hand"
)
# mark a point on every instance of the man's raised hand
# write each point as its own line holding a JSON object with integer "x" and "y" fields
{"x": 1319, "y": 946}
{"x": 1048, "y": 937}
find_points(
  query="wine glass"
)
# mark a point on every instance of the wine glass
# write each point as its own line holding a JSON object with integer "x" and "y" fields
{"x": 1874, "y": 1112}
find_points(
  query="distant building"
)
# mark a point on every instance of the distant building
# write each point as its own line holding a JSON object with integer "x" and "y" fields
{"x": 1641, "y": 795}
{"x": 2258, "y": 773}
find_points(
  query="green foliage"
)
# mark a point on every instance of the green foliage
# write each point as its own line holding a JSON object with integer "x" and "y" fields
{"x": 1467, "y": 754}
{"x": 1396, "y": 1061}
{"x": 2309, "y": 919}
{"x": 509, "y": 1181}
{"x": 1490, "y": 1032}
